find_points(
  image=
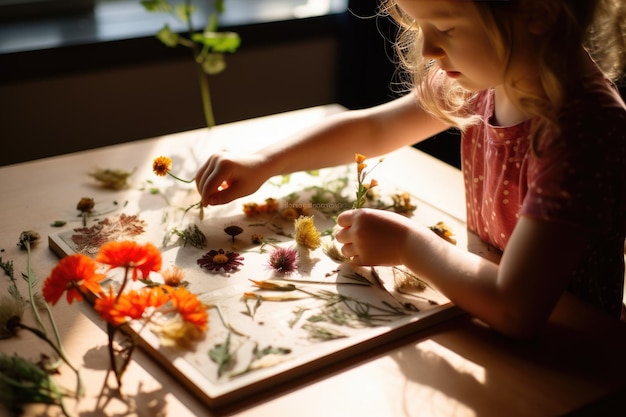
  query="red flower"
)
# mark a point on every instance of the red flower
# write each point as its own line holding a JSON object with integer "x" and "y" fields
{"x": 214, "y": 260}
{"x": 131, "y": 255}
{"x": 75, "y": 274}
{"x": 190, "y": 308}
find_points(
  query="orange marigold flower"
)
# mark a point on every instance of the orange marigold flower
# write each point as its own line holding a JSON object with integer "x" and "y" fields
{"x": 272, "y": 205}
{"x": 75, "y": 274}
{"x": 130, "y": 305}
{"x": 129, "y": 254}
{"x": 161, "y": 165}
{"x": 250, "y": 209}
{"x": 190, "y": 308}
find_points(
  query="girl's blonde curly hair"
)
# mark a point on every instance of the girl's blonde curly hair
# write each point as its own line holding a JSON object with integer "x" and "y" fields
{"x": 598, "y": 25}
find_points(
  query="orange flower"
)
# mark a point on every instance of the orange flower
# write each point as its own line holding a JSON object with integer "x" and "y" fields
{"x": 130, "y": 254}
{"x": 190, "y": 308}
{"x": 161, "y": 165}
{"x": 358, "y": 158}
{"x": 130, "y": 305}
{"x": 75, "y": 274}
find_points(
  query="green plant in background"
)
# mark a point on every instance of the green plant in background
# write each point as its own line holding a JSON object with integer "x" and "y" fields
{"x": 208, "y": 46}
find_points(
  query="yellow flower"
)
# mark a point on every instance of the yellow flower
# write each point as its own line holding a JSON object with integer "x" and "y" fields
{"x": 161, "y": 165}
{"x": 307, "y": 235}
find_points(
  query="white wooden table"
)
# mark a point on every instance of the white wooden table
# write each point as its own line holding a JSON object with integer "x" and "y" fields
{"x": 457, "y": 368}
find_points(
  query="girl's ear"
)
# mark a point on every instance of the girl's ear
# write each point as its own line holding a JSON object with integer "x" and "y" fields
{"x": 542, "y": 15}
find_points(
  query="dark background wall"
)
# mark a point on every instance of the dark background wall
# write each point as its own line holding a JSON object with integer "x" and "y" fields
{"x": 80, "y": 96}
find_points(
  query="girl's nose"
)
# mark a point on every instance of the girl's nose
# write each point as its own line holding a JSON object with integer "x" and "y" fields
{"x": 431, "y": 48}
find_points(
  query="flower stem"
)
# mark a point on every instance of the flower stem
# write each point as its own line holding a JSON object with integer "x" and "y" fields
{"x": 180, "y": 179}
{"x": 31, "y": 295}
{"x": 206, "y": 96}
{"x": 202, "y": 77}
{"x": 59, "y": 351}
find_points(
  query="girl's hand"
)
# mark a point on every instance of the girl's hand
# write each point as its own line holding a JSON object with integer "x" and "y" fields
{"x": 373, "y": 237}
{"x": 225, "y": 177}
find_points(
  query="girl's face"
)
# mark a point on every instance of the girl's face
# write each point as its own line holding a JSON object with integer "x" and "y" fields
{"x": 455, "y": 38}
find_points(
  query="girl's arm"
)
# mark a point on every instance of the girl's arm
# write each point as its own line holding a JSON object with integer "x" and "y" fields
{"x": 515, "y": 297}
{"x": 372, "y": 132}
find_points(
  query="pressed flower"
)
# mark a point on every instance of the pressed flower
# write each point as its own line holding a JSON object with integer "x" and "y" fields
{"x": 173, "y": 276}
{"x": 161, "y": 165}
{"x": 216, "y": 260}
{"x": 130, "y": 254}
{"x": 253, "y": 209}
{"x": 290, "y": 213}
{"x": 307, "y": 235}
{"x": 250, "y": 209}
{"x": 444, "y": 231}
{"x": 256, "y": 238}
{"x": 273, "y": 297}
{"x": 85, "y": 205}
{"x": 176, "y": 331}
{"x": 283, "y": 260}
{"x": 332, "y": 251}
{"x": 274, "y": 285}
{"x": 75, "y": 274}
{"x": 116, "y": 179}
{"x": 11, "y": 312}
{"x": 233, "y": 230}
{"x": 29, "y": 236}
{"x": 402, "y": 203}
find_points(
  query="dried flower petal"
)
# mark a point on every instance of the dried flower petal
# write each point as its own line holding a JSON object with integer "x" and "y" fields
{"x": 274, "y": 285}
{"x": 216, "y": 260}
{"x": 116, "y": 179}
{"x": 173, "y": 276}
{"x": 444, "y": 231}
{"x": 85, "y": 205}
{"x": 29, "y": 236}
{"x": 307, "y": 235}
{"x": 284, "y": 260}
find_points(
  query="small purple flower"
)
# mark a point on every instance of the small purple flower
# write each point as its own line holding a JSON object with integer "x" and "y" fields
{"x": 215, "y": 260}
{"x": 284, "y": 260}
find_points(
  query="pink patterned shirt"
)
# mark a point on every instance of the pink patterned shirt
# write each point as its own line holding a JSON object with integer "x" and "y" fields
{"x": 582, "y": 183}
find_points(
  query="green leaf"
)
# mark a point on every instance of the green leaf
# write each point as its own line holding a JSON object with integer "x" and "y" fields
{"x": 184, "y": 11}
{"x": 168, "y": 37}
{"x": 218, "y": 41}
{"x": 222, "y": 356}
{"x": 156, "y": 5}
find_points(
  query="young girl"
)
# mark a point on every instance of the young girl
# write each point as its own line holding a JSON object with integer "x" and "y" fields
{"x": 543, "y": 154}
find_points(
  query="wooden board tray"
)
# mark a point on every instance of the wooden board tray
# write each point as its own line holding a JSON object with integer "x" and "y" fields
{"x": 295, "y": 336}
